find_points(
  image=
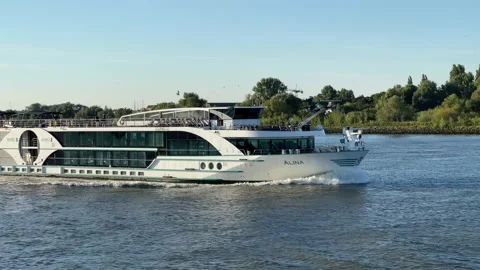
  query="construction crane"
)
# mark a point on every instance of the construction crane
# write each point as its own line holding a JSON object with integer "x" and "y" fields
{"x": 296, "y": 91}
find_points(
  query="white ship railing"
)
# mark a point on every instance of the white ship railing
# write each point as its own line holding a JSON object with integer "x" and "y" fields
{"x": 163, "y": 122}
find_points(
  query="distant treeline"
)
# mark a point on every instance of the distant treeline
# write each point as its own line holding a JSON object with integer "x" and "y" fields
{"x": 426, "y": 107}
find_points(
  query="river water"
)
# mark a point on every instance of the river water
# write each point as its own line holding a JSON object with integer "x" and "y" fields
{"x": 414, "y": 203}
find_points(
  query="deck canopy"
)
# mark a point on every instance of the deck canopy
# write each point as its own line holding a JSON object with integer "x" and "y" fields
{"x": 197, "y": 114}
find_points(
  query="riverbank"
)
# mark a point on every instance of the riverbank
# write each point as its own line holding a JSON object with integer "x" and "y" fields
{"x": 459, "y": 130}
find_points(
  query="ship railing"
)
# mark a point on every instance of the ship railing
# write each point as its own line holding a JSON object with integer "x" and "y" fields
{"x": 40, "y": 123}
{"x": 159, "y": 122}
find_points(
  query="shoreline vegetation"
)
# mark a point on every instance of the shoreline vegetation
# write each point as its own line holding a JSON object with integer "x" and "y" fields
{"x": 423, "y": 108}
{"x": 410, "y": 130}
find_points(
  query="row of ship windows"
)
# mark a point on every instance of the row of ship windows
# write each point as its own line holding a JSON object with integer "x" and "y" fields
{"x": 104, "y": 172}
{"x": 126, "y": 159}
{"x": 273, "y": 146}
{"x": 73, "y": 171}
{"x": 122, "y": 139}
{"x": 134, "y": 159}
{"x": 10, "y": 169}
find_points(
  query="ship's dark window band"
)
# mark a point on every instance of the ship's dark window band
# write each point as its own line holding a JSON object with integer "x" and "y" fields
{"x": 130, "y": 159}
{"x": 273, "y": 146}
{"x": 171, "y": 143}
{"x": 111, "y": 139}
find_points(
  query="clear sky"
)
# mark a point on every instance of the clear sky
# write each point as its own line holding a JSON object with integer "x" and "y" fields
{"x": 106, "y": 52}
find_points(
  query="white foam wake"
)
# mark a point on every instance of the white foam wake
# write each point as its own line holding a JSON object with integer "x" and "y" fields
{"x": 343, "y": 177}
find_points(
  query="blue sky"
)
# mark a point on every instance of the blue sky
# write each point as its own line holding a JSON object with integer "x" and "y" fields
{"x": 116, "y": 52}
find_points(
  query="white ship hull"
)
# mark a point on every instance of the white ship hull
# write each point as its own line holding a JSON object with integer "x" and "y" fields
{"x": 232, "y": 168}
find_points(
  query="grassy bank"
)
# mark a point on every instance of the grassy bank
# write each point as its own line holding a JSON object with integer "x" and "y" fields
{"x": 411, "y": 130}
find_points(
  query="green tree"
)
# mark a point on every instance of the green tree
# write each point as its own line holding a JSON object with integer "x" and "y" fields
{"x": 393, "y": 109}
{"x": 396, "y": 90}
{"x": 477, "y": 78}
{"x": 252, "y": 100}
{"x": 266, "y": 88}
{"x": 164, "y": 105}
{"x": 460, "y": 83}
{"x": 453, "y": 102}
{"x": 408, "y": 90}
{"x": 89, "y": 112}
{"x": 475, "y": 100}
{"x": 122, "y": 111}
{"x": 328, "y": 92}
{"x": 284, "y": 104}
{"x": 346, "y": 95}
{"x": 191, "y": 100}
{"x": 426, "y": 96}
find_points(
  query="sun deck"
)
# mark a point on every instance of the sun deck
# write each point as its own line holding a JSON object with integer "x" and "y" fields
{"x": 216, "y": 118}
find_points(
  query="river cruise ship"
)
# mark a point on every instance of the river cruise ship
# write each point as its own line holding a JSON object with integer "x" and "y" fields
{"x": 206, "y": 144}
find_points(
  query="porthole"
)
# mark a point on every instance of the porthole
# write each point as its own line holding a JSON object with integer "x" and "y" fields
{"x": 203, "y": 166}
{"x": 219, "y": 166}
{"x": 210, "y": 166}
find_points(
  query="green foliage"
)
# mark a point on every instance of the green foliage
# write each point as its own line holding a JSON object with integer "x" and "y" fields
{"x": 393, "y": 109}
{"x": 408, "y": 91}
{"x": 426, "y": 96}
{"x": 475, "y": 100}
{"x": 328, "y": 92}
{"x": 477, "y": 78}
{"x": 265, "y": 89}
{"x": 164, "y": 105}
{"x": 285, "y": 104}
{"x": 191, "y": 100}
{"x": 460, "y": 83}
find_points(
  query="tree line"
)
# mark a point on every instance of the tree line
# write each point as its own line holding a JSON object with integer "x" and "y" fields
{"x": 453, "y": 103}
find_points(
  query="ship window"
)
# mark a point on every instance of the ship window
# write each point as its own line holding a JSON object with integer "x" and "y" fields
{"x": 303, "y": 144}
{"x": 120, "y": 139}
{"x": 210, "y": 166}
{"x": 264, "y": 146}
{"x": 137, "y": 139}
{"x": 141, "y": 139}
{"x": 120, "y": 159}
{"x": 86, "y": 139}
{"x": 311, "y": 143}
{"x": 159, "y": 139}
{"x": 74, "y": 158}
{"x": 219, "y": 166}
{"x": 203, "y": 166}
{"x": 248, "y": 113}
{"x": 150, "y": 138}
{"x": 71, "y": 139}
{"x": 133, "y": 159}
{"x": 107, "y": 139}
{"x": 291, "y": 144}
{"x": 99, "y": 139}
